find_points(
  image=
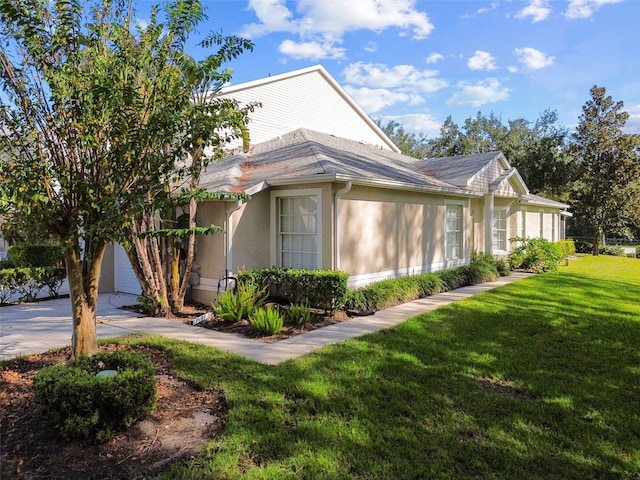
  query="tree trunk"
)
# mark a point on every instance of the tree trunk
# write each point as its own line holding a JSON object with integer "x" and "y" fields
{"x": 181, "y": 286}
{"x": 146, "y": 260}
{"x": 596, "y": 242}
{"x": 83, "y": 277}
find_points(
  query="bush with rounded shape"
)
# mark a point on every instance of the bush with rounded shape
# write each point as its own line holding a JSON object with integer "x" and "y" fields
{"x": 83, "y": 405}
{"x": 300, "y": 314}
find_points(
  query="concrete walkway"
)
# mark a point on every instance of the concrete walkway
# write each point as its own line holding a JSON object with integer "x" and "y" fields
{"x": 37, "y": 327}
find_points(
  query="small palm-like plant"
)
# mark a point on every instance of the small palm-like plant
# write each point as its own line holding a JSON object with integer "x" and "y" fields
{"x": 234, "y": 306}
{"x": 267, "y": 321}
{"x": 300, "y": 314}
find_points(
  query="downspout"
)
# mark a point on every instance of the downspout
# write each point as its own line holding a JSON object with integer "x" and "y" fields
{"x": 229, "y": 235}
{"x": 336, "y": 216}
{"x": 488, "y": 222}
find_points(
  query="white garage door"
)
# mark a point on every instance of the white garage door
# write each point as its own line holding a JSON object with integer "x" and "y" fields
{"x": 125, "y": 279}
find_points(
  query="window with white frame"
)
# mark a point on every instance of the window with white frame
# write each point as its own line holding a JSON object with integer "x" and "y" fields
{"x": 297, "y": 218}
{"x": 500, "y": 230}
{"x": 453, "y": 231}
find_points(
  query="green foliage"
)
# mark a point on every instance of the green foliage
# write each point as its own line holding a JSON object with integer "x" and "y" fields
{"x": 538, "y": 150}
{"x": 567, "y": 248}
{"x": 299, "y": 314}
{"x": 82, "y": 405}
{"x": 481, "y": 269}
{"x": 36, "y": 255}
{"x": 613, "y": 250}
{"x": 535, "y": 255}
{"x": 234, "y": 306}
{"x": 503, "y": 267}
{"x": 606, "y": 190}
{"x": 268, "y": 321}
{"x": 29, "y": 282}
{"x": 325, "y": 289}
{"x": 387, "y": 293}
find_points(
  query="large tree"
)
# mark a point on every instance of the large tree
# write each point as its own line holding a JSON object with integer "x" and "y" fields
{"x": 91, "y": 106}
{"x": 161, "y": 242}
{"x": 606, "y": 197}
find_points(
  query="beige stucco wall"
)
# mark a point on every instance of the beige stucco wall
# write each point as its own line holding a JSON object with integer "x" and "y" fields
{"x": 389, "y": 233}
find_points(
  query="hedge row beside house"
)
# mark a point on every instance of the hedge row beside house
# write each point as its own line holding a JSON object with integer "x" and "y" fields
{"x": 387, "y": 293}
{"x": 322, "y": 289}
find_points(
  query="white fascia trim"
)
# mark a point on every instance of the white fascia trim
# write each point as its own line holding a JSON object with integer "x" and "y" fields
{"x": 369, "y": 278}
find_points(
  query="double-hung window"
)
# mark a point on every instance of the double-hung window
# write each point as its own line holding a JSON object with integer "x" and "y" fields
{"x": 500, "y": 231}
{"x": 297, "y": 228}
{"x": 453, "y": 231}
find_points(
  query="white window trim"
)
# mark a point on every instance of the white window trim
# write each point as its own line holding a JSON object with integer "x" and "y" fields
{"x": 273, "y": 227}
{"x": 506, "y": 217}
{"x": 457, "y": 203}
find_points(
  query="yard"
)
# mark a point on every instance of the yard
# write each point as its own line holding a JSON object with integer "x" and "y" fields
{"x": 539, "y": 379}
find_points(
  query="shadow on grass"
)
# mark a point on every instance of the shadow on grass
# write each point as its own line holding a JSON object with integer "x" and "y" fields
{"x": 535, "y": 380}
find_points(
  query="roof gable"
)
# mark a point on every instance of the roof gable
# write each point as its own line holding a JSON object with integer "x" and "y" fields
{"x": 307, "y": 98}
{"x": 481, "y": 172}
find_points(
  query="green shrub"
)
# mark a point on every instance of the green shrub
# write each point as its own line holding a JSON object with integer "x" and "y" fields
{"x": 567, "y": 248}
{"x": 481, "y": 269}
{"x": 267, "y": 321}
{"x": 85, "y": 406}
{"x": 234, "y": 306}
{"x": 614, "y": 250}
{"x": 36, "y": 255}
{"x": 453, "y": 278}
{"x": 325, "y": 289}
{"x": 300, "y": 314}
{"x": 503, "y": 267}
{"x": 583, "y": 247}
{"x": 535, "y": 255}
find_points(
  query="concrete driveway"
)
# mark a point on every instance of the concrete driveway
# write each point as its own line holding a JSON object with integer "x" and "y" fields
{"x": 37, "y": 327}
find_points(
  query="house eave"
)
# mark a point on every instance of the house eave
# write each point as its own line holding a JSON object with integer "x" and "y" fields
{"x": 372, "y": 183}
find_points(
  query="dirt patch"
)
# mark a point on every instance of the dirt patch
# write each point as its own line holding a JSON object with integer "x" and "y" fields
{"x": 185, "y": 419}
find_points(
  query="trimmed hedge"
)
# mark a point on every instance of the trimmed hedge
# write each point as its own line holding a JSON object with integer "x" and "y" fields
{"x": 387, "y": 293}
{"x": 323, "y": 289}
{"x": 82, "y": 405}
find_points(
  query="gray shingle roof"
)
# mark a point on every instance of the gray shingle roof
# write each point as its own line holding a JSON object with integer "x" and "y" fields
{"x": 457, "y": 170}
{"x": 306, "y": 154}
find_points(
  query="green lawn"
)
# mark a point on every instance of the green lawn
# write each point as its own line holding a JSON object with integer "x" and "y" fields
{"x": 538, "y": 379}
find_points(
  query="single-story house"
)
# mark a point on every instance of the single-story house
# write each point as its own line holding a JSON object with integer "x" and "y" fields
{"x": 328, "y": 189}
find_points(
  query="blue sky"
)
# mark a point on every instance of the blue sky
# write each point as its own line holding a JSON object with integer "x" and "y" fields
{"x": 416, "y": 62}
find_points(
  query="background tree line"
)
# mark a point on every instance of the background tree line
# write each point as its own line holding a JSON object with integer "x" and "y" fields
{"x": 595, "y": 169}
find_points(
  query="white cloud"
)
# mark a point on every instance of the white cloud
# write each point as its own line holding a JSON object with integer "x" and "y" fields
{"x": 482, "y": 61}
{"x": 478, "y": 94}
{"x": 434, "y": 57}
{"x": 537, "y": 9}
{"x": 326, "y": 21}
{"x": 311, "y": 50}
{"x": 373, "y": 100}
{"x": 335, "y": 17}
{"x": 585, "y": 8}
{"x": 415, "y": 123}
{"x": 403, "y": 77}
{"x": 533, "y": 59}
{"x": 633, "y": 122}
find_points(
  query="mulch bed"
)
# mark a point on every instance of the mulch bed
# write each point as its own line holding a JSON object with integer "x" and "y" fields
{"x": 185, "y": 419}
